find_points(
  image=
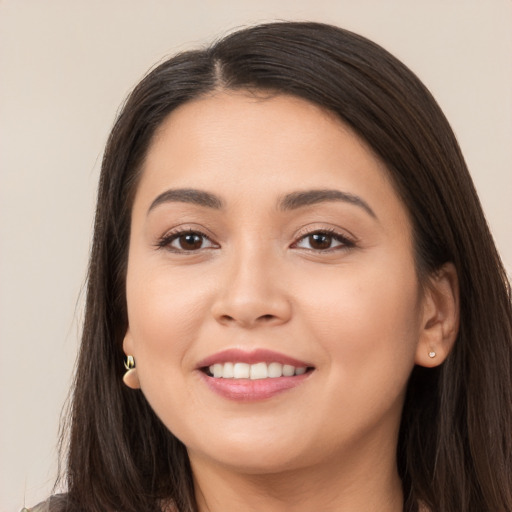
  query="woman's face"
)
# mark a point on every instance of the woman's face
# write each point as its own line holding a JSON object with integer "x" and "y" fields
{"x": 268, "y": 244}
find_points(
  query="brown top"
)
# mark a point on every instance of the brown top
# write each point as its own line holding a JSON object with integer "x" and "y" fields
{"x": 42, "y": 507}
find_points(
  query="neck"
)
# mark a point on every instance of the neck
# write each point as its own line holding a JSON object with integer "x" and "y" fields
{"x": 331, "y": 487}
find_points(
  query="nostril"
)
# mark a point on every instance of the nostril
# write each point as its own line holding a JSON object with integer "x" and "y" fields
{"x": 262, "y": 319}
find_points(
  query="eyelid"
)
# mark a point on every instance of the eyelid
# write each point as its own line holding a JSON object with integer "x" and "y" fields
{"x": 324, "y": 227}
{"x": 164, "y": 242}
{"x": 347, "y": 240}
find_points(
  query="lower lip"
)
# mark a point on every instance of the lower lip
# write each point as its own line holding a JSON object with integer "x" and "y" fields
{"x": 247, "y": 390}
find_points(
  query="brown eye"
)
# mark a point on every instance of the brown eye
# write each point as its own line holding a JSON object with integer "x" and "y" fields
{"x": 320, "y": 241}
{"x": 186, "y": 241}
{"x": 323, "y": 241}
{"x": 190, "y": 241}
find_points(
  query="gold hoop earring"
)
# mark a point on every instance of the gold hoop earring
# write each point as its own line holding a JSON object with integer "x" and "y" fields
{"x": 129, "y": 363}
{"x": 130, "y": 378}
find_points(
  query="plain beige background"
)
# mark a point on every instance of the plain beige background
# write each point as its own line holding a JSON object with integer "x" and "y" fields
{"x": 66, "y": 66}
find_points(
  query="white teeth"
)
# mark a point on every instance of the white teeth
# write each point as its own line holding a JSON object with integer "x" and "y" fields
{"x": 218, "y": 370}
{"x": 288, "y": 370}
{"x": 241, "y": 370}
{"x": 228, "y": 371}
{"x": 255, "y": 371}
{"x": 259, "y": 371}
{"x": 275, "y": 370}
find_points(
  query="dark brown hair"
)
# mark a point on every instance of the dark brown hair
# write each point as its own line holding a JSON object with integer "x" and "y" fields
{"x": 455, "y": 445}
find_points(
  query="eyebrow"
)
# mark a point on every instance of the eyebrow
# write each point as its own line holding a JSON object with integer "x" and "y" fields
{"x": 188, "y": 195}
{"x": 300, "y": 199}
{"x": 291, "y": 201}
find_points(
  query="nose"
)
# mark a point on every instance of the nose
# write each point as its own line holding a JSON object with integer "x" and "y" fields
{"x": 253, "y": 293}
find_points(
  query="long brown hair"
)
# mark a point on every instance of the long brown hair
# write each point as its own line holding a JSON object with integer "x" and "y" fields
{"x": 455, "y": 444}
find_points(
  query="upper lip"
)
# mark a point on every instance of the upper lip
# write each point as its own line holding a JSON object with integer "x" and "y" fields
{"x": 236, "y": 355}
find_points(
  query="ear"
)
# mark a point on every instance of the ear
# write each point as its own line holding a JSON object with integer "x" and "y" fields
{"x": 440, "y": 319}
{"x": 130, "y": 378}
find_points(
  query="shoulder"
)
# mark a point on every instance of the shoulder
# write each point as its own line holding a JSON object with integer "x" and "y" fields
{"x": 42, "y": 507}
{"x": 52, "y": 504}
{"x": 60, "y": 503}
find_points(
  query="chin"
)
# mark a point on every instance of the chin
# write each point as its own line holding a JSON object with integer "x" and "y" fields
{"x": 254, "y": 462}
{"x": 255, "y": 453}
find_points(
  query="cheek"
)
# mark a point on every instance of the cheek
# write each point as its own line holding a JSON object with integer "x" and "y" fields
{"x": 165, "y": 311}
{"x": 367, "y": 320}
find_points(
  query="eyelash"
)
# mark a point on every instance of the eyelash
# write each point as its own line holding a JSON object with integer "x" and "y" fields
{"x": 166, "y": 241}
{"x": 344, "y": 241}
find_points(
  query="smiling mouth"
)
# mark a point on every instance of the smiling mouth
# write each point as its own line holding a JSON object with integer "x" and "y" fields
{"x": 257, "y": 371}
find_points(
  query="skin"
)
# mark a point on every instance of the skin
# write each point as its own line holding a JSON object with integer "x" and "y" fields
{"x": 352, "y": 308}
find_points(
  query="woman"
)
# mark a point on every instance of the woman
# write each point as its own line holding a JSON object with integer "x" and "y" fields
{"x": 294, "y": 301}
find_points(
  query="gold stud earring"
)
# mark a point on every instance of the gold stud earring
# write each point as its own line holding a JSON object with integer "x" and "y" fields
{"x": 130, "y": 378}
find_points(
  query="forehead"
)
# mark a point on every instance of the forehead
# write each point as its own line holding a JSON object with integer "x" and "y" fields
{"x": 227, "y": 124}
{"x": 245, "y": 143}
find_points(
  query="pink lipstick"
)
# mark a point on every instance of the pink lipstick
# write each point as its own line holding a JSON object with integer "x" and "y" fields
{"x": 256, "y": 375}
